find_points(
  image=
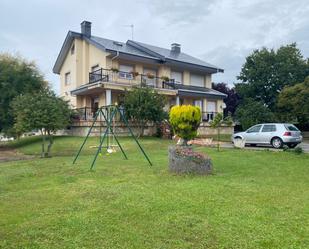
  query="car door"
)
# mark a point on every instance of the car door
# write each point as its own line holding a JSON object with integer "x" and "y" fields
{"x": 267, "y": 133}
{"x": 252, "y": 134}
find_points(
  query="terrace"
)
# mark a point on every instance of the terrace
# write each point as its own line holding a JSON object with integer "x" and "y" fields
{"x": 132, "y": 78}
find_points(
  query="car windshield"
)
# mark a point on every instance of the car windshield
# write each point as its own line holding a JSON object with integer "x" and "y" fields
{"x": 291, "y": 127}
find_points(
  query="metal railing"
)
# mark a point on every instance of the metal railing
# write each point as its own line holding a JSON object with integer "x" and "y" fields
{"x": 88, "y": 113}
{"x": 83, "y": 113}
{"x": 208, "y": 116}
{"x": 132, "y": 78}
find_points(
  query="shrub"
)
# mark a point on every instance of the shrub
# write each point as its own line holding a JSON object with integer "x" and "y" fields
{"x": 143, "y": 105}
{"x": 185, "y": 120}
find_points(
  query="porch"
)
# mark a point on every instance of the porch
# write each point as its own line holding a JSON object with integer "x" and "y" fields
{"x": 84, "y": 116}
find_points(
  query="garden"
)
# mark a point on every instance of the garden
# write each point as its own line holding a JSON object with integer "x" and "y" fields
{"x": 252, "y": 199}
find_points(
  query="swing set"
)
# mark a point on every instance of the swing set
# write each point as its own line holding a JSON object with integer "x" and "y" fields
{"x": 109, "y": 113}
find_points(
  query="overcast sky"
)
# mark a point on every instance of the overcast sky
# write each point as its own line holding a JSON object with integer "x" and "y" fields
{"x": 221, "y": 32}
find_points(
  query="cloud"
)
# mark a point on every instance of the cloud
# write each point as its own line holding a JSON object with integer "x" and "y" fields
{"x": 222, "y": 32}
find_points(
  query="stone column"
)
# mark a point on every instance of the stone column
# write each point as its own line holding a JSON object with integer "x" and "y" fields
{"x": 108, "y": 97}
{"x": 177, "y": 100}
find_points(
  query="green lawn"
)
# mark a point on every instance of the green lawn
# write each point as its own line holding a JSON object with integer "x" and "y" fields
{"x": 255, "y": 199}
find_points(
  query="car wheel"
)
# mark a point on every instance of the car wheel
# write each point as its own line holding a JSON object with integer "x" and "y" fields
{"x": 292, "y": 145}
{"x": 276, "y": 143}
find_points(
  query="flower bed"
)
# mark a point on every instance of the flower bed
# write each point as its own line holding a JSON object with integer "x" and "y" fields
{"x": 184, "y": 160}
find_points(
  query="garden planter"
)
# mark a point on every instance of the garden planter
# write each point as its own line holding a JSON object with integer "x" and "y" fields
{"x": 183, "y": 160}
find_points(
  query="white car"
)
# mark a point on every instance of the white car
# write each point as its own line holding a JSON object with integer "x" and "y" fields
{"x": 6, "y": 139}
{"x": 274, "y": 134}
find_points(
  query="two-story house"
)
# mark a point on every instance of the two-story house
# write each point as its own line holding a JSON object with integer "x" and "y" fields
{"x": 95, "y": 71}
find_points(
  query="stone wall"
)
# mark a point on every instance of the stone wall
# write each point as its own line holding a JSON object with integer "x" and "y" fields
{"x": 119, "y": 130}
{"x": 186, "y": 164}
{"x": 205, "y": 129}
{"x": 82, "y": 128}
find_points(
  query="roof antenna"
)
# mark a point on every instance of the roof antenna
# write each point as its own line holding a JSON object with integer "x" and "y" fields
{"x": 132, "y": 29}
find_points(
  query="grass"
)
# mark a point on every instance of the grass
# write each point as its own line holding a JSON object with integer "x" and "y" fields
{"x": 254, "y": 199}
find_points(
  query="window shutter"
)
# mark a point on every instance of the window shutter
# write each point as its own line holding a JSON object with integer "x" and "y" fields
{"x": 197, "y": 80}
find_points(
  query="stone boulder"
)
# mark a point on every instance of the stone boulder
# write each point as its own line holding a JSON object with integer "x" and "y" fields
{"x": 183, "y": 160}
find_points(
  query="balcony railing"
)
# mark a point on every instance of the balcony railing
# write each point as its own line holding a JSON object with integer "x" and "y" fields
{"x": 88, "y": 114}
{"x": 208, "y": 116}
{"x": 83, "y": 114}
{"x": 132, "y": 78}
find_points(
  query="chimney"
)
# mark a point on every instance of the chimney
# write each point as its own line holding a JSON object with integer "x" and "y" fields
{"x": 86, "y": 28}
{"x": 175, "y": 48}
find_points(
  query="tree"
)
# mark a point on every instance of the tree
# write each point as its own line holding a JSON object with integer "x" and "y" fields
{"x": 251, "y": 112}
{"x": 143, "y": 105}
{"x": 293, "y": 104}
{"x": 185, "y": 120}
{"x": 43, "y": 111}
{"x": 266, "y": 72}
{"x": 17, "y": 76}
{"x": 219, "y": 121}
{"x": 232, "y": 100}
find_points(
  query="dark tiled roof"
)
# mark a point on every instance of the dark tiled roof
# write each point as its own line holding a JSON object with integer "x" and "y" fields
{"x": 202, "y": 91}
{"x": 134, "y": 48}
{"x": 119, "y": 46}
{"x": 181, "y": 57}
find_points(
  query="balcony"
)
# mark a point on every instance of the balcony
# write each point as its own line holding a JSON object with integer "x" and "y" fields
{"x": 131, "y": 78}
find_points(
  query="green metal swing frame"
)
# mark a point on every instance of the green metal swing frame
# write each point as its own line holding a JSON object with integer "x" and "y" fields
{"x": 111, "y": 111}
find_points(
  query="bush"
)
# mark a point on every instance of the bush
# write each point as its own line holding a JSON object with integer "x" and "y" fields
{"x": 185, "y": 121}
{"x": 143, "y": 105}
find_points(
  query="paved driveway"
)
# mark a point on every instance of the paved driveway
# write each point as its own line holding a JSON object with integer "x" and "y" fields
{"x": 303, "y": 145}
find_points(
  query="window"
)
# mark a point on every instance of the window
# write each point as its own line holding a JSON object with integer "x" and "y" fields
{"x": 254, "y": 129}
{"x": 210, "y": 111}
{"x": 198, "y": 103}
{"x": 211, "y": 106}
{"x": 125, "y": 72}
{"x": 73, "y": 48}
{"x": 197, "y": 80}
{"x": 177, "y": 76}
{"x": 151, "y": 81}
{"x": 291, "y": 127}
{"x": 67, "y": 78}
{"x": 269, "y": 128}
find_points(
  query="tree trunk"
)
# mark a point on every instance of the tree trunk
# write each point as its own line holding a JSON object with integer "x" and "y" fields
{"x": 218, "y": 138}
{"x": 141, "y": 128}
{"x": 51, "y": 141}
{"x": 43, "y": 144}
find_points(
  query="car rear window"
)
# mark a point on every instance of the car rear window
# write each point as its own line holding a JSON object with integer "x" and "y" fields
{"x": 291, "y": 127}
{"x": 269, "y": 128}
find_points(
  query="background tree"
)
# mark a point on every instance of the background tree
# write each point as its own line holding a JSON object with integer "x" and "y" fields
{"x": 43, "y": 111}
{"x": 293, "y": 103}
{"x": 143, "y": 105}
{"x": 266, "y": 72}
{"x": 251, "y": 112}
{"x": 219, "y": 121}
{"x": 232, "y": 100}
{"x": 185, "y": 120}
{"x": 17, "y": 76}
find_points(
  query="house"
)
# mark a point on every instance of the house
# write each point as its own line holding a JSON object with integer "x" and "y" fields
{"x": 95, "y": 71}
